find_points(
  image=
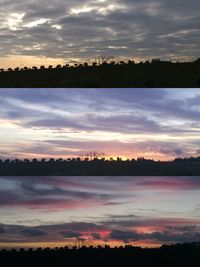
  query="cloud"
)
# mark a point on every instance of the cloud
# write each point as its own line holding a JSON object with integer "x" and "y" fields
{"x": 126, "y": 123}
{"x": 177, "y": 152}
{"x": 184, "y": 228}
{"x": 172, "y": 183}
{"x": 50, "y": 232}
{"x": 151, "y": 224}
{"x": 31, "y": 232}
{"x": 173, "y": 237}
{"x": 96, "y": 236}
{"x": 78, "y": 227}
{"x": 2, "y": 230}
{"x": 70, "y": 234}
{"x": 126, "y": 236}
{"x": 164, "y": 237}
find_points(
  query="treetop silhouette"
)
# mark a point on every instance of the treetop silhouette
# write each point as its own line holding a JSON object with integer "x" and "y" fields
{"x": 106, "y": 72}
{"x": 94, "y": 165}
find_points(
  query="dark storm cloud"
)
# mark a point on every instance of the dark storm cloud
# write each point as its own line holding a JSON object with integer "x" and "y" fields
{"x": 142, "y": 29}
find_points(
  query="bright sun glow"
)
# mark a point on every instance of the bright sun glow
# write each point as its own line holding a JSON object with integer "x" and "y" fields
{"x": 15, "y": 20}
{"x": 36, "y": 23}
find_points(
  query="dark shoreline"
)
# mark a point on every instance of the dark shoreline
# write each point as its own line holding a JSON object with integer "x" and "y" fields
{"x": 179, "y": 255}
{"x": 154, "y": 74}
{"x": 100, "y": 167}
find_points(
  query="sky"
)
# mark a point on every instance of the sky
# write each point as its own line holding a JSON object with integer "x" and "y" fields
{"x": 58, "y": 211}
{"x": 58, "y": 31}
{"x": 159, "y": 124}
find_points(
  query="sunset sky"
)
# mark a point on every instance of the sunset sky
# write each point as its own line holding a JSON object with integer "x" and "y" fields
{"x": 58, "y": 31}
{"x": 159, "y": 124}
{"x": 53, "y": 211}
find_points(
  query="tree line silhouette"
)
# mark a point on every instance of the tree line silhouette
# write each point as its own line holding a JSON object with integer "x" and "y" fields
{"x": 100, "y": 167}
{"x": 178, "y": 255}
{"x": 106, "y": 73}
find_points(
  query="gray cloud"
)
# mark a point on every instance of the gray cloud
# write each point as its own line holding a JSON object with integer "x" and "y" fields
{"x": 96, "y": 236}
{"x": 164, "y": 236}
{"x": 2, "y": 230}
{"x": 126, "y": 236}
{"x": 31, "y": 232}
{"x": 184, "y": 228}
{"x": 70, "y": 234}
{"x": 118, "y": 123}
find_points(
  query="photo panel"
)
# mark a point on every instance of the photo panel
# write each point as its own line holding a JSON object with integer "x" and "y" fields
{"x": 100, "y": 43}
{"x": 54, "y": 211}
{"x": 99, "y": 131}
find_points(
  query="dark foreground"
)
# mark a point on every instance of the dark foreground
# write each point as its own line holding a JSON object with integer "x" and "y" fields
{"x": 100, "y": 167}
{"x": 166, "y": 256}
{"x": 145, "y": 74}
